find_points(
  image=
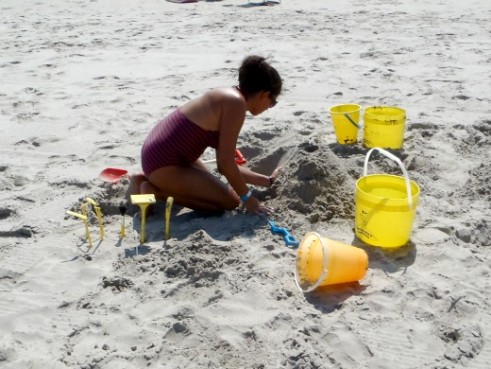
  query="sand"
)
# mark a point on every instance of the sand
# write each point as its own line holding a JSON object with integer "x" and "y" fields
{"x": 83, "y": 82}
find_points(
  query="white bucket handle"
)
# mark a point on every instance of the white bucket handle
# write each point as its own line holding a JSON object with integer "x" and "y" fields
{"x": 398, "y": 161}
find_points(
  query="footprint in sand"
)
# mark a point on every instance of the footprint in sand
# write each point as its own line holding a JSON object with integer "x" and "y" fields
{"x": 5, "y": 213}
{"x": 464, "y": 344}
{"x": 26, "y": 106}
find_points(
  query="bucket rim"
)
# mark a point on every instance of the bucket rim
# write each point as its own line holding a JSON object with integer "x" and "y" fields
{"x": 372, "y": 107}
{"x": 413, "y": 195}
{"x": 325, "y": 263}
{"x": 372, "y": 110}
{"x": 357, "y": 108}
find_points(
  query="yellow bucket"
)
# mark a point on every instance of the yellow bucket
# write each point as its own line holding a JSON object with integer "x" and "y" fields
{"x": 345, "y": 119}
{"x": 384, "y": 127}
{"x": 321, "y": 262}
{"x": 385, "y": 206}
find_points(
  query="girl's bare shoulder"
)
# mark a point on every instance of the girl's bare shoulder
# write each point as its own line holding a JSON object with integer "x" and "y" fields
{"x": 226, "y": 94}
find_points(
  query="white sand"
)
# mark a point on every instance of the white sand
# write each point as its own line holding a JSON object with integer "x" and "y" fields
{"x": 81, "y": 84}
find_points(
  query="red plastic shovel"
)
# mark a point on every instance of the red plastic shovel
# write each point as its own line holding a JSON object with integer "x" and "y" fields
{"x": 239, "y": 158}
{"x": 113, "y": 175}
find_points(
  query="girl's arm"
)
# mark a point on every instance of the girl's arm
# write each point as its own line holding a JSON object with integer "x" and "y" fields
{"x": 232, "y": 119}
{"x": 259, "y": 179}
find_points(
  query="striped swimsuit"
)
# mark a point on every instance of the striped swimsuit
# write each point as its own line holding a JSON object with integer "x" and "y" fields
{"x": 175, "y": 140}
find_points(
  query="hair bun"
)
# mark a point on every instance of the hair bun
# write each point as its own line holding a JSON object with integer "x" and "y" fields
{"x": 255, "y": 75}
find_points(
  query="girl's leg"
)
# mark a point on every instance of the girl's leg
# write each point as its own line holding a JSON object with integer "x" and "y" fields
{"x": 200, "y": 165}
{"x": 191, "y": 187}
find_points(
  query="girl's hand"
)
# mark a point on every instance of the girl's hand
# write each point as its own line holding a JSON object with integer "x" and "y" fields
{"x": 274, "y": 176}
{"x": 253, "y": 206}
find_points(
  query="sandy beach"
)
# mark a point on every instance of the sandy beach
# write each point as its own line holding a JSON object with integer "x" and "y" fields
{"x": 83, "y": 82}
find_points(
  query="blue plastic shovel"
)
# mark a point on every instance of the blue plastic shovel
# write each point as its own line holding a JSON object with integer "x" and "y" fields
{"x": 290, "y": 240}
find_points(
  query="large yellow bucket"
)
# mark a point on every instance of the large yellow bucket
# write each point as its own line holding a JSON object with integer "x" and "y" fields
{"x": 345, "y": 119}
{"x": 322, "y": 261}
{"x": 384, "y": 127}
{"x": 385, "y": 206}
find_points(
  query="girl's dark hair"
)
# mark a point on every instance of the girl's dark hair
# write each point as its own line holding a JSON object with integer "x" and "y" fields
{"x": 256, "y": 75}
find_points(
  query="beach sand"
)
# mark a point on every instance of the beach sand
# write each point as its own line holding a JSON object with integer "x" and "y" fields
{"x": 82, "y": 83}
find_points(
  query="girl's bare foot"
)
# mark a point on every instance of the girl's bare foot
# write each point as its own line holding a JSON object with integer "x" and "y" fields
{"x": 135, "y": 184}
{"x": 146, "y": 188}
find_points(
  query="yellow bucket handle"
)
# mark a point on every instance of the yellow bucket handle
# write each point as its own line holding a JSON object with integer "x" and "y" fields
{"x": 398, "y": 161}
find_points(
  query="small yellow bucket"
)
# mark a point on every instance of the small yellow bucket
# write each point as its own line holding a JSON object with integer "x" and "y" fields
{"x": 322, "y": 261}
{"x": 345, "y": 119}
{"x": 385, "y": 206}
{"x": 383, "y": 126}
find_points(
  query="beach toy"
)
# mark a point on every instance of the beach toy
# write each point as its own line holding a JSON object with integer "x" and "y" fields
{"x": 168, "y": 208}
{"x": 86, "y": 224}
{"x": 290, "y": 241}
{"x": 385, "y": 206}
{"x": 322, "y": 261}
{"x": 84, "y": 217}
{"x": 112, "y": 175}
{"x": 239, "y": 159}
{"x": 345, "y": 119}
{"x": 122, "y": 211}
{"x": 384, "y": 127}
{"x": 143, "y": 201}
{"x": 98, "y": 213}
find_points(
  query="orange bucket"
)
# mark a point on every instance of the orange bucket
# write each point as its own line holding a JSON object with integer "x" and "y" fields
{"x": 322, "y": 261}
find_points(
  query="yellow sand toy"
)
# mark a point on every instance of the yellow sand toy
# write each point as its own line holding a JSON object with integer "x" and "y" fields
{"x": 168, "y": 208}
{"x": 83, "y": 216}
{"x": 143, "y": 201}
{"x": 122, "y": 211}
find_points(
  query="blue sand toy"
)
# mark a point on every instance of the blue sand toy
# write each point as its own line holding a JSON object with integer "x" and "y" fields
{"x": 290, "y": 240}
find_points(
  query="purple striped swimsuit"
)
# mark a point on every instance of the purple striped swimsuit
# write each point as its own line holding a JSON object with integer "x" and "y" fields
{"x": 175, "y": 140}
